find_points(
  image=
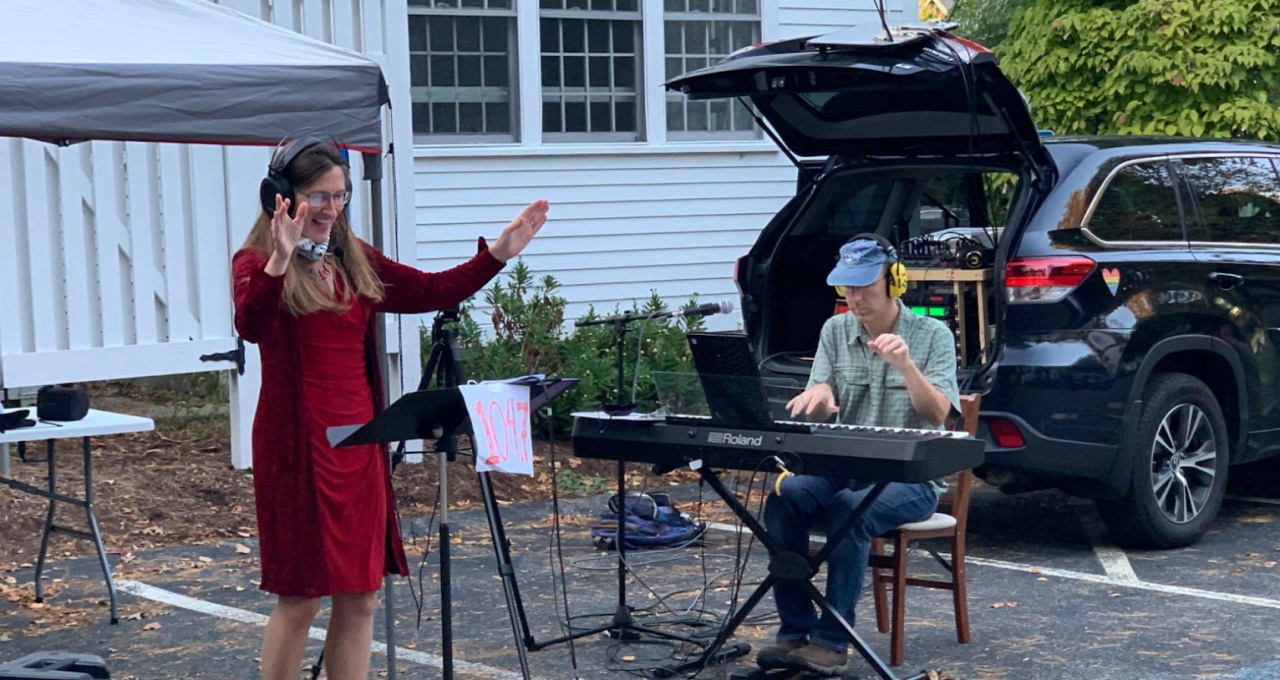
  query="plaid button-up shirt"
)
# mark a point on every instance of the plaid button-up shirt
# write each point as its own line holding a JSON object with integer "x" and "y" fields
{"x": 869, "y": 390}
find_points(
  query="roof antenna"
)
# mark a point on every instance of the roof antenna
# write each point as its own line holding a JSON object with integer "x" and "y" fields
{"x": 883, "y": 21}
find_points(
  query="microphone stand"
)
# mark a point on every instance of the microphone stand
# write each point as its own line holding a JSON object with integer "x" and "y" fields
{"x": 623, "y": 626}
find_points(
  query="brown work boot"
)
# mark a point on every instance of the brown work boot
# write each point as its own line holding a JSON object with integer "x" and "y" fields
{"x": 772, "y": 656}
{"x": 817, "y": 660}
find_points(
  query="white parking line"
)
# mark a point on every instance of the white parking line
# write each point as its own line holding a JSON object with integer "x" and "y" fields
{"x": 231, "y": 613}
{"x": 1113, "y": 560}
{"x": 1081, "y": 576}
{"x": 1252, "y": 499}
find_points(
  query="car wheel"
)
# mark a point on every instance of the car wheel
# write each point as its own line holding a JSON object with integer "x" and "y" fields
{"x": 1180, "y": 453}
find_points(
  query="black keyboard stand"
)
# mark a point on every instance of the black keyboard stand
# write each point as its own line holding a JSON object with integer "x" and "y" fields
{"x": 784, "y": 566}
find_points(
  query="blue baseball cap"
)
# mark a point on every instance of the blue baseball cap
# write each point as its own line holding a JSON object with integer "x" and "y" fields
{"x": 860, "y": 263}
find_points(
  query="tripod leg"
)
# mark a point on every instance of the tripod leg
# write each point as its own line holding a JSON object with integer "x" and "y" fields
{"x": 506, "y": 570}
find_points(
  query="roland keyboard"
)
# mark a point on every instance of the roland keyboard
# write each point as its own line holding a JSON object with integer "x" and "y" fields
{"x": 872, "y": 454}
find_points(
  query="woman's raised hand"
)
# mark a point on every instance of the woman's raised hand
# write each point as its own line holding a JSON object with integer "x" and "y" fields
{"x": 520, "y": 231}
{"x": 285, "y": 230}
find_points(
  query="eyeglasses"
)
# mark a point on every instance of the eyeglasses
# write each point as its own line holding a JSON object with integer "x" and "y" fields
{"x": 318, "y": 199}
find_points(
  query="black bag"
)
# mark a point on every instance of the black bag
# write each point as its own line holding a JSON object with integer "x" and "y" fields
{"x": 15, "y": 419}
{"x": 61, "y": 403}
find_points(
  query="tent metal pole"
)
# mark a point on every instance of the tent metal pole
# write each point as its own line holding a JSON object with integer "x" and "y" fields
{"x": 372, "y": 163}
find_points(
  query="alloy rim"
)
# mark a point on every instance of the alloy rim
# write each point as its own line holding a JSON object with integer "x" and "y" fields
{"x": 1184, "y": 463}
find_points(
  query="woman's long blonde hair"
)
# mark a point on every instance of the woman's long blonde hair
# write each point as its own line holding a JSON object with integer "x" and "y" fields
{"x": 302, "y": 293}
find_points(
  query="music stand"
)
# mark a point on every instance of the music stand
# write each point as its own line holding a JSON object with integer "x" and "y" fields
{"x": 419, "y": 415}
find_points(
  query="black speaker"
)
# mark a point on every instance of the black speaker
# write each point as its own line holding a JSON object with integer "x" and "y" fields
{"x": 61, "y": 403}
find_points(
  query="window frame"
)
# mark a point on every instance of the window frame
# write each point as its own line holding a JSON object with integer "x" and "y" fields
{"x": 1190, "y": 191}
{"x": 1175, "y": 182}
{"x": 641, "y": 49}
{"x": 651, "y": 110}
{"x": 513, "y": 72}
{"x": 736, "y": 106}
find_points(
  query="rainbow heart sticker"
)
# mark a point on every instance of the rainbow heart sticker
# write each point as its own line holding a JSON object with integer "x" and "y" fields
{"x": 1112, "y": 278}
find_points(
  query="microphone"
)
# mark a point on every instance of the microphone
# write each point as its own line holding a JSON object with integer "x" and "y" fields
{"x": 707, "y": 309}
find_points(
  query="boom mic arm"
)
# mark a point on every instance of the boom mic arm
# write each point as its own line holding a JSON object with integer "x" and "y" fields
{"x": 707, "y": 309}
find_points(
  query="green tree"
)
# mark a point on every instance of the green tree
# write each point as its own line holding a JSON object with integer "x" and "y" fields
{"x": 1164, "y": 67}
{"x": 986, "y": 22}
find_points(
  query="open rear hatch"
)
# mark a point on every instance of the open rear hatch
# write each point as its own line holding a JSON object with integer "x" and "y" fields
{"x": 858, "y": 93}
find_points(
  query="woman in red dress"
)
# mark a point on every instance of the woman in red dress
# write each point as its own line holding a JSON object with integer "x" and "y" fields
{"x": 306, "y": 291}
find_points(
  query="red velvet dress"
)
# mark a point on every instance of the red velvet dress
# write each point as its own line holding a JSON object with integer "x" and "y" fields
{"x": 326, "y": 517}
{"x": 350, "y": 496}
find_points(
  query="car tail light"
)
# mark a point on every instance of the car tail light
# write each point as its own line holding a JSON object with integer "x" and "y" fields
{"x": 1005, "y": 433}
{"x": 1044, "y": 279}
{"x": 737, "y": 269}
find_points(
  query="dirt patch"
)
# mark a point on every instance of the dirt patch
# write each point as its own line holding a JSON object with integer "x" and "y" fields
{"x": 175, "y": 485}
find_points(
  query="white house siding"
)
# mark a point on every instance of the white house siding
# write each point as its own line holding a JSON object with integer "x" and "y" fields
{"x": 669, "y": 217}
{"x": 622, "y": 224}
{"x": 799, "y": 18}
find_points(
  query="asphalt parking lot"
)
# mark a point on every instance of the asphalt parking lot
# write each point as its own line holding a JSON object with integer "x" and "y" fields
{"x": 1050, "y": 597}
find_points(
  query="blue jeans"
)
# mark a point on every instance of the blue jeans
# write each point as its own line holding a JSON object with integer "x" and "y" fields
{"x": 806, "y": 500}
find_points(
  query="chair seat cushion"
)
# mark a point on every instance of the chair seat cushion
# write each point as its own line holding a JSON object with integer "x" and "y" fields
{"x": 937, "y": 521}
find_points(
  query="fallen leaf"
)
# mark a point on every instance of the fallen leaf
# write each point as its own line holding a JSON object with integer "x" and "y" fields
{"x": 1268, "y": 564}
{"x": 1036, "y": 570}
{"x": 629, "y": 657}
{"x": 242, "y": 549}
{"x": 151, "y": 626}
{"x": 204, "y": 559}
{"x": 4, "y": 637}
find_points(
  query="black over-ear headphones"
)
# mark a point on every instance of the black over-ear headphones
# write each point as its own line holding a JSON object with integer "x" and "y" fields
{"x": 275, "y": 182}
{"x": 896, "y": 272}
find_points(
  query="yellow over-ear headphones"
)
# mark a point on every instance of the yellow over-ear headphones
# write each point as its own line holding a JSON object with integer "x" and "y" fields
{"x": 895, "y": 272}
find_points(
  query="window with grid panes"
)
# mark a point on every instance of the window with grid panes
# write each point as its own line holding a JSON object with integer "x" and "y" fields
{"x": 699, "y": 33}
{"x": 462, "y": 66}
{"x": 590, "y": 70}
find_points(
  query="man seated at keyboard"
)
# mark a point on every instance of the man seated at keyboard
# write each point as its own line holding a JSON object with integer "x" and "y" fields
{"x": 877, "y": 365}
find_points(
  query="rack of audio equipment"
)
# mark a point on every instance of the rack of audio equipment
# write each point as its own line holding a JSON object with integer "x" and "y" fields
{"x": 958, "y": 298}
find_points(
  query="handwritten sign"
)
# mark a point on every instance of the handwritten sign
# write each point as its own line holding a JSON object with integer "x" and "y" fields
{"x": 500, "y": 417}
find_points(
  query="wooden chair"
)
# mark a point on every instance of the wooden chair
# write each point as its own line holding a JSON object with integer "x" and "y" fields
{"x": 949, "y": 521}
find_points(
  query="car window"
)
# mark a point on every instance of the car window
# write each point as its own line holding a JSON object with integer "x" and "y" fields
{"x": 943, "y": 202}
{"x": 847, "y": 205}
{"x": 972, "y": 204}
{"x": 1238, "y": 199}
{"x": 1138, "y": 204}
{"x": 859, "y": 211}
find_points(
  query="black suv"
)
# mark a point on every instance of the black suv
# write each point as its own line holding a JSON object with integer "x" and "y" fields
{"x": 1124, "y": 335}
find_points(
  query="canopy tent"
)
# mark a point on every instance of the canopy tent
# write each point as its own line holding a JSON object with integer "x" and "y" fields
{"x": 178, "y": 71}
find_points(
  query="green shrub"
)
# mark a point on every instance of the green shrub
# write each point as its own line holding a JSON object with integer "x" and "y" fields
{"x": 526, "y": 333}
